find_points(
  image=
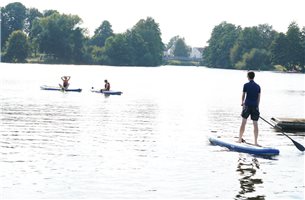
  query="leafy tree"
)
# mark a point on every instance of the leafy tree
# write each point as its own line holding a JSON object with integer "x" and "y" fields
{"x": 48, "y": 13}
{"x": 279, "y": 50}
{"x": 267, "y": 35}
{"x": 94, "y": 55}
{"x": 12, "y": 19}
{"x": 139, "y": 51}
{"x": 223, "y": 37}
{"x": 117, "y": 51}
{"x": 303, "y": 47}
{"x": 150, "y": 32}
{"x": 181, "y": 49}
{"x": 257, "y": 37}
{"x": 295, "y": 52}
{"x": 103, "y": 32}
{"x": 77, "y": 45}
{"x": 31, "y": 15}
{"x": 59, "y": 36}
{"x": 248, "y": 39}
{"x": 256, "y": 59}
{"x": 34, "y": 35}
{"x": 172, "y": 42}
{"x": 140, "y": 46}
{"x": 17, "y": 47}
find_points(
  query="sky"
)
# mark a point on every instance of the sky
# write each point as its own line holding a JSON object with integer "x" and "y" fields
{"x": 193, "y": 20}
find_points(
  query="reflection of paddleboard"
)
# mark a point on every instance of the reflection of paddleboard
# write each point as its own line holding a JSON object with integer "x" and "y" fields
{"x": 110, "y": 92}
{"x": 44, "y": 87}
{"x": 244, "y": 147}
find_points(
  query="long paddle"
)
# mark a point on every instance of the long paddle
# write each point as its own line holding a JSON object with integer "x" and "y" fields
{"x": 298, "y": 145}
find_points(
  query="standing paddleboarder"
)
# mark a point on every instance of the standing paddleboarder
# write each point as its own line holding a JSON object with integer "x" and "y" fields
{"x": 250, "y": 102}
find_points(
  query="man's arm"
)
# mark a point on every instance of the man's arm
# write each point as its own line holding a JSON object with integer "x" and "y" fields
{"x": 243, "y": 98}
{"x": 258, "y": 99}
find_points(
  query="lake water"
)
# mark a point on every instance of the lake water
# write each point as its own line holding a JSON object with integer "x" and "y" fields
{"x": 149, "y": 143}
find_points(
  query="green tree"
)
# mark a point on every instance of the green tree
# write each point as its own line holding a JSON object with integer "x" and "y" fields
{"x": 256, "y": 59}
{"x": 267, "y": 35}
{"x": 181, "y": 49}
{"x": 217, "y": 53}
{"x": 34, "y": 35}
{"x": 303, "y": 47}
{"x": 12, "y": 19}
{"x": 257, "y": 37}
{"x": 48, "y": 13}
{"x": 31, "y": 15}
{"x": 138, "y": 49}
{"x": 117, "y": 51}
{"x": 103, "y": 32}
{"x": 77, "y": 45}
{"x": 94, "y": 55}
{"x": 248, "y": 39}
{"x": 295, "y": 52}
{"x": 172, "y": 42}
{"x": 17, "y": 47}
{"x": 150, "y": 32}
{"x": 59, "y": 36}
{"x": 279, "y": 50}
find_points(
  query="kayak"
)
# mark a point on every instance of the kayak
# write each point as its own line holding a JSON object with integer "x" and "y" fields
{"x": 110, "y": 92}
{"x": 244, "y": 147}
{"x": 54, "y": 88}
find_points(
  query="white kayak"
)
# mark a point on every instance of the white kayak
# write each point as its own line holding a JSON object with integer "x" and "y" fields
{"x": 109, "y": 92}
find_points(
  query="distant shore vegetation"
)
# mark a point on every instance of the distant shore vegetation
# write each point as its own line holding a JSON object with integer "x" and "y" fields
{"x": 256, "y": 48}
{"x": 28, "y": 35}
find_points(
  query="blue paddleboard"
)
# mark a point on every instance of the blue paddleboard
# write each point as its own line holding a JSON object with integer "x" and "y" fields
{"x": 54, "y": 88}
{"x": 244, "y": 147}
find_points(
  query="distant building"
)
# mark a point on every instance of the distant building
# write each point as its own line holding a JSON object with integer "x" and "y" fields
{"x": 167, "y": 53}
{"x": 196, "y": 53}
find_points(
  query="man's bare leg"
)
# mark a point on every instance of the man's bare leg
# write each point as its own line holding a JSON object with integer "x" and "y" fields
{"x": 255, "y": 126}
{"x": 242, "y": 130}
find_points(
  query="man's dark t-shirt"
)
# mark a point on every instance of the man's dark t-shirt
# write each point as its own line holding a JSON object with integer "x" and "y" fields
{"x": 252, "y": 91}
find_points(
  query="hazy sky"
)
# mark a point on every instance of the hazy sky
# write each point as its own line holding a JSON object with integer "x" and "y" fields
{"x": 191, "y": 19}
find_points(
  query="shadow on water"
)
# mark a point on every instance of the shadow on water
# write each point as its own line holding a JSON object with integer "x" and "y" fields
{"x": 247, "y": 168}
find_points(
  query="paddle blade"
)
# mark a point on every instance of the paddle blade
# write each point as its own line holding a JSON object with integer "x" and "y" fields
{"x": 298, "y": 145}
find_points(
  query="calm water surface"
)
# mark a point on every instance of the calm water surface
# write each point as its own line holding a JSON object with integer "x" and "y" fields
{"x": 150, "y": 142}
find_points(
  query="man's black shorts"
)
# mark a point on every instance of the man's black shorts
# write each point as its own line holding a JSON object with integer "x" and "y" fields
{"x": 253, "y": 111}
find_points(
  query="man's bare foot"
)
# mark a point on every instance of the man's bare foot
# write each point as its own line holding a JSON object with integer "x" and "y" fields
{"x": 241, "y": 140}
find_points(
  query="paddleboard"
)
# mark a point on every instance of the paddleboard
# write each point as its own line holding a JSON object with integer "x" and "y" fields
{"x": 110, "y": 92}
{"x": 54, "y": 88}
{"x": 244, "y": 147}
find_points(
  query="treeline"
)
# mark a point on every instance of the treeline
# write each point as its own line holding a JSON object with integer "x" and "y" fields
{"x": 256, "y": 48}
{"x": 52, "y": 37}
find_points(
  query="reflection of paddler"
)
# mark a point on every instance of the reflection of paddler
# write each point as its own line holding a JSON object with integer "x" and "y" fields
{"x": 247, "y": 170}
{"x": 65, "y": 80}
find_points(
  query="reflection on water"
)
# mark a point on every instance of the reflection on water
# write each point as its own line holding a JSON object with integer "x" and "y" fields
{"x": 149, "y": 143}
{"x": 295, "y": 92}
{"x": 247, "y": 168}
